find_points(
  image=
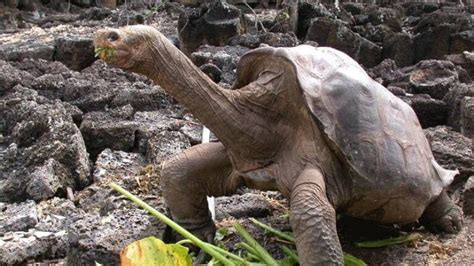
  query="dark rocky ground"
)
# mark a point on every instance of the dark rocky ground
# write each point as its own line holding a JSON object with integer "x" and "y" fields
{"x": 69, "y": 124}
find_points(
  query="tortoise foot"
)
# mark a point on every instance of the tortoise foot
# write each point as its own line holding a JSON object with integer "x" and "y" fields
{"x": 443, "y": 216}
{"x": 450, "y": 223}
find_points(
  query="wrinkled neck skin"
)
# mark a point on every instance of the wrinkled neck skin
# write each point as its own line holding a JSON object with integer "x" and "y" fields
{"x": 240, "y": 119}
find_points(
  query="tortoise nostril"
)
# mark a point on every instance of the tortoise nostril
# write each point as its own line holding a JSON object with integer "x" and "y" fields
{"x": 113, "y": 36}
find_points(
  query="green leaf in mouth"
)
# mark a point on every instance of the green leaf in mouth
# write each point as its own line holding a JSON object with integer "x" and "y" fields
{"x": 104, "y": 52}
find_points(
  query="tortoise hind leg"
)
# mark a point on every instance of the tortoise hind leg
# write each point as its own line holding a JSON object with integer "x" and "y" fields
{"x": 313, "y": 220}
{"x": 443, "y": 215}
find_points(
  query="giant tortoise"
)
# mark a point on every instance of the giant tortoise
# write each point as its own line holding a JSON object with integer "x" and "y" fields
{"x": 306, "y": 121}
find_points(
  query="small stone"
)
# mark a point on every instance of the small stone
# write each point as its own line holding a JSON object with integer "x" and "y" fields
{"x": 60, "y": 233}
{"x": 8, "y": 237}
{"x": 42, "y": 235}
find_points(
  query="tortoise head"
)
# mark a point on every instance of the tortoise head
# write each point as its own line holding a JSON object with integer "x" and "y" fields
{"x": 128, "y": 47}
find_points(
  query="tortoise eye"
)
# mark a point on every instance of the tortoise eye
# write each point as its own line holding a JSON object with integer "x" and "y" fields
{"x": 113, "y": 36}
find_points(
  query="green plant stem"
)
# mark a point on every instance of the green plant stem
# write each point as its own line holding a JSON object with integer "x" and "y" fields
{"x": 278, "y": 233}
{"x": 254, "y": 257}
{"x": 290, "y": 253}
{"x": 350, "y": 260}
{"x": 266, "y": 257}
{"x": 389, "y": 241}
{"x": 229, "y": 254}
{"x": 185, "y": 233}
{"x": 184, "y": 241}
{"x": 247, "y": 247}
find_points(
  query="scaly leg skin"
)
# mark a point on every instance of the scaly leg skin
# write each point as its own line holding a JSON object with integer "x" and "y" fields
{"x": 186, "y": 179}
{"x": 443, "y": 215}
{"x": 313, "y": 220}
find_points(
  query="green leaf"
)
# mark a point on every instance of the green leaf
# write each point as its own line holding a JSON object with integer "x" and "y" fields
{"x": 350, "y": 260}
{"x": 222, "y": 233}
{"x": 104, "y": 52}
{"x": 152, "y": 251}
{"x": 212, "y": 250}
{"x": 389, "y": 241}
{"x": 97, "y": 51}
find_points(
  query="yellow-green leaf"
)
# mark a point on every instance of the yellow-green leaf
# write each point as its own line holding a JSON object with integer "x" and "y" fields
{"x": 151, "y": 251}
{"x": 104, "y": 53}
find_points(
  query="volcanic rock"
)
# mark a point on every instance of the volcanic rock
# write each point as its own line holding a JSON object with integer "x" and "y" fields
{"x": 306, "y": 13}
{"x": 150, "y": 124}
{"x": 164, "y": 145}
{"x": 75, "y": 52}
{"x": 225, "y": 58}
{"x": 431, "y": 112}
{"x": 17, "y": 216}
{"x": 432, "y": 77}
{"x": 11, "y": 76}
{"x": 239, "y": 206}
{"x": 27, "y": 49}
{"x": 453, "y": 99}
{"x": 468, "y": 205}
{"x": 214, "y": 24}
{"x": 114, "y": 130}
{"x": 333, "y": 33}
{"x": 451, "y": 150}
{"x": 387, "y": 71}
{"x": 43, "y": 152}
{"x": 467, "y": 117}
{"x": 99, "y": 239}
{"x": 464, "y": 60}
{"x": 399, "y": 47}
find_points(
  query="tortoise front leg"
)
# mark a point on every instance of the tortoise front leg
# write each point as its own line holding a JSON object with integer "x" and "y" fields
{"x": 313, "y": 220}
{"x": 200, "y": 171}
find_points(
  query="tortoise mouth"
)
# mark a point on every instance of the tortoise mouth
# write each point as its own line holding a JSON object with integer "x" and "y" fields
{"x": 115, "y": 56}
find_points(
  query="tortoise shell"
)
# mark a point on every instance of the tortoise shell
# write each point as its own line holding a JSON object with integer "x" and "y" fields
{"x": 375, "y": 133}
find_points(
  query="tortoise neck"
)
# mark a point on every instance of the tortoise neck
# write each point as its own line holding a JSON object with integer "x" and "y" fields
{"x": 215, "y": 107}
